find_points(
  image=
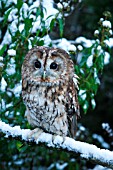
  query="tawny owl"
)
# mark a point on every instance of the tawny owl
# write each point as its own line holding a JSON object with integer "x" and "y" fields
{"x": 49, "y": 90}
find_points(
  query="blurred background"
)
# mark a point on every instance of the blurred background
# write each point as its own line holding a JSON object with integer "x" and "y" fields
{"x": 80, "y": 28}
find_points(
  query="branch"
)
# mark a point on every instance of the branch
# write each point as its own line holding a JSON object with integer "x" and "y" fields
{"x": 86, "y": 151}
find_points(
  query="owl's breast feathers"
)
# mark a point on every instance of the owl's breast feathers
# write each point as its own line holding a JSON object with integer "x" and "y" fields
{"x": 54, "y": 109}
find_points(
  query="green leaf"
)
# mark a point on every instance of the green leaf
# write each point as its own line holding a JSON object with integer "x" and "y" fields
{"x": 40, "y": 43}
{"x": 101, "y": 61}
{"x": 28, "y": 25}
{"x": 52, "y": 24}
{"x": 37, "y": 33}
{"x": 19, "y": 4}
{"x": 61, "y": 26}
{"x": 2, "y": 50}
{"x": 38, "y": 12}
{"x": 49, "y": 17}
{"x": 19, "y": 145}
{"x": 6, "y": 15}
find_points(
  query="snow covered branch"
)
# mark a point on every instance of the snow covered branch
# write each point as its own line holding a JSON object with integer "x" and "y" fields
{"x": 84, "y": 150}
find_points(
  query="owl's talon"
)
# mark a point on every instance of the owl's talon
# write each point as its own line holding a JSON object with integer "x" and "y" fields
{"x": 64, "y": 138}
{"x": 34, "y": 134}
{"x": 54, "y": 136}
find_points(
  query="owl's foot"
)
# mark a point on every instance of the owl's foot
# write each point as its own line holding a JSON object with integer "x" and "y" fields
{"x": 64, "y": 138}
{"x": 54, "y": 136}
{"x": 35, "y": 133}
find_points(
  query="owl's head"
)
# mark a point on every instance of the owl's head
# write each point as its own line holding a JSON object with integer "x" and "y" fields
{"x": 47, "y": 66}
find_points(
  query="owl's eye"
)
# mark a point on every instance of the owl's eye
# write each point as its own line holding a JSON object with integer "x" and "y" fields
{"x": 37, "y": 64}
{"x": 53, "y": 65}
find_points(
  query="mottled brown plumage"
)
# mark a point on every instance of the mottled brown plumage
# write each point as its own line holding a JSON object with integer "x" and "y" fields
{"x": 49, "y": 90}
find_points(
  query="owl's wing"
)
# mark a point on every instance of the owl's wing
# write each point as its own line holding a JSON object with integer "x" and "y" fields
{"x": 73, "y": 106}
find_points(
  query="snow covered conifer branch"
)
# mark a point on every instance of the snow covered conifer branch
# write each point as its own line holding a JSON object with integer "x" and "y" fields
{"x": 84, "y": 150}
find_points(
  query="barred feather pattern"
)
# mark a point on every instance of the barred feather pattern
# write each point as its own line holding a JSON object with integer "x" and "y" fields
{"x": 51, "y": 101}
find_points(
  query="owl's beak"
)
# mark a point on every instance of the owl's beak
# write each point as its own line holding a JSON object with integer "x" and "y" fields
{"x": 44, "y": 75}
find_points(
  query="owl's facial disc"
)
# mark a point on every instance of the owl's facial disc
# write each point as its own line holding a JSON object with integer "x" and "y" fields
{"x": 47, "y": 68}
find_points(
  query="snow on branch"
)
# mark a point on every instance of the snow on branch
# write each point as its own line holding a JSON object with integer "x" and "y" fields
{"x": 86, "y": 151}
